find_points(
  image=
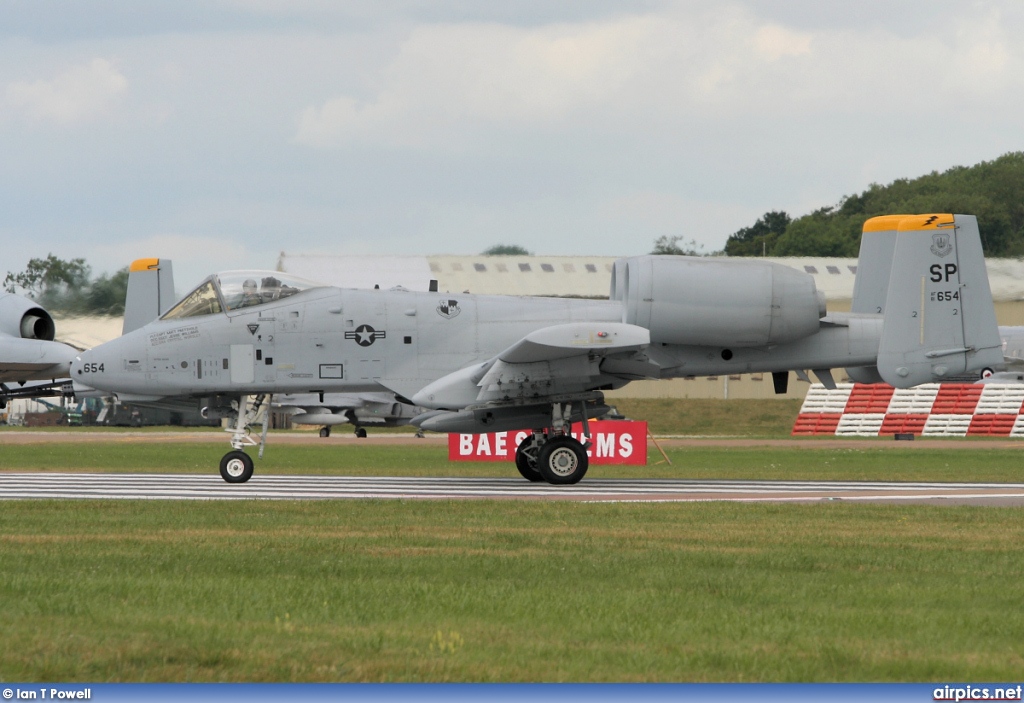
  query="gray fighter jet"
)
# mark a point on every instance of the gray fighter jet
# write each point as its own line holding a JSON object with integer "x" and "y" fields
{"x": 1011, "y": 370}
{"x": 482, "y": 363}
{"x": 28, "y": 352}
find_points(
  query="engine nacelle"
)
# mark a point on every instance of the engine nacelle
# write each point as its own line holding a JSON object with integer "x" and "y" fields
{"x": 716, "y": 302}
{"x": 21, "y": 317}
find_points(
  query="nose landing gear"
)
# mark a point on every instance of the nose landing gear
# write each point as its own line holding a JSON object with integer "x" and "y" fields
{"x": 236, "y": 466}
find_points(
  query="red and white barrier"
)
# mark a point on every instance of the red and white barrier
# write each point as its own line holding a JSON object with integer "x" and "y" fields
{"x": 612, "y": 442}
{"x": 942, "y": 410}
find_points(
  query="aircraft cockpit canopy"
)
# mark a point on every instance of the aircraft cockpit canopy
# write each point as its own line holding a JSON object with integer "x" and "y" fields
{"x": 233, "y": 290}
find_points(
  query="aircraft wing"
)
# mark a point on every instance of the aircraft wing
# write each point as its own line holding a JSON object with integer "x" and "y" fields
{"x": 558, "y": 362}
{"x": 33, "y": 359}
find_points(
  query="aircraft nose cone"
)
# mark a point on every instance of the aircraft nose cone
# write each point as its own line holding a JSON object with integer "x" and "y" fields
{"x": 78, "y": 365}
{"x": 90, "y": 368}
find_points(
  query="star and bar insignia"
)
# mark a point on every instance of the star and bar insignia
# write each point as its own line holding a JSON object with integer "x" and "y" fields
{"x": 365, "y": 335}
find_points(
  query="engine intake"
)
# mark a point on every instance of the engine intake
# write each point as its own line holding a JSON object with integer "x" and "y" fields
{"x": 21, "y": 317}
{"x": 711, "y": 302}
{"x": 36, "y": 324}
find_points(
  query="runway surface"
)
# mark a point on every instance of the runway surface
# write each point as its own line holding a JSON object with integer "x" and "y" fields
{"x": 15, "y": 486}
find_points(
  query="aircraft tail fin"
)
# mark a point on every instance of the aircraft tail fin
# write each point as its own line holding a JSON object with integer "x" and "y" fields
{"x": 939, "y": 319}
{"x": 874, "y": 263}
{"x": 150, "y": 292}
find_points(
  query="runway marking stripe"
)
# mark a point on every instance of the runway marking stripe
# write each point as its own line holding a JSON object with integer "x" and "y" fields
{"x": 200, "y": 487}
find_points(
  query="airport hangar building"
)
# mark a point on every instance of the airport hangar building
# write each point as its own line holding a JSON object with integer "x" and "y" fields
{"x": 568, "y": 276}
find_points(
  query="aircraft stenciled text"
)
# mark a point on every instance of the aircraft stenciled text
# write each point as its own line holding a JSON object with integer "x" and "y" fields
{"x": 175, "y": 335}
{"x": 940, "y": 273}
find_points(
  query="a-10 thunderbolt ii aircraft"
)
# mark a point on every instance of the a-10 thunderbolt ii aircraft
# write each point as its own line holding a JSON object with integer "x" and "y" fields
{"x": 28, "y": 352}
{"x": 482, "y": 363}
{"x": 1011, "y": 371}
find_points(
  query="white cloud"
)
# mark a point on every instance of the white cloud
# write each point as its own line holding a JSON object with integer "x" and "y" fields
{"x": 449, "y": 75}
{"x": 774, "y": 41}
{"x": 455, "y": 86}
{"x": 80, "y": 93}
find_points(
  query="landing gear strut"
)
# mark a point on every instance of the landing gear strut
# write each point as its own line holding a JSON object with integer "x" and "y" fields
{"x": 554, "y": 455}
{"x": 236, "y": 466}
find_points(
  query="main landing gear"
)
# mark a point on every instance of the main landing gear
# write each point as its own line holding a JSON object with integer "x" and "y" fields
{"x": 553, "y": 454}
{"x": 236, "y": 466}
{"x": 358, "y": 431}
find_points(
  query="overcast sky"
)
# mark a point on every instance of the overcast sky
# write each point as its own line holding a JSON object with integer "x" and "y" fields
{"x": 220, "y": 133}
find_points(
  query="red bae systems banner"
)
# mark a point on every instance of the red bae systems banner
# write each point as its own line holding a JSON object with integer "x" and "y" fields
{"x": 612, "y": 442}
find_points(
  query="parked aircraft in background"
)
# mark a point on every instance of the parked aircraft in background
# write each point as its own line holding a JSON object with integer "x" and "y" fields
{"x": 28, "y": 352}
{"x": 1011, "y": 370}
{"x": 493, "y": 363}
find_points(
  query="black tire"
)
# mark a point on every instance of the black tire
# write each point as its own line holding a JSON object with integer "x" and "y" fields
{"x": 236, "y": 467}
{"x": 325, "y": 431}
{"x": 360, "y": 432}
{"x": 562, "y": 461}
{"x": 527, "y": 467}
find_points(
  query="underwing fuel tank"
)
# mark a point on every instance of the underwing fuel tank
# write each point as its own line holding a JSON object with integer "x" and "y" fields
{"x": 498, "y": 419}
{"x": 710, "y": 302}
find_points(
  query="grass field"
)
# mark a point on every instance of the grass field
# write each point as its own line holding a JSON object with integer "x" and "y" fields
{"x": 500, "y": 591}
{"x": 701, "y": 416}
{"x": 512, "y": 590}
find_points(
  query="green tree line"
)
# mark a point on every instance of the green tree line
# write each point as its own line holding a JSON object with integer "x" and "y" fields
{"x": 68, "y": 287}
{"x": 991, "y": 190}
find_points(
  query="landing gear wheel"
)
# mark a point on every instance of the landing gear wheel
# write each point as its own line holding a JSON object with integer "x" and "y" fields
{"x": 562, "y": 461}
{"x": 325, "y": 431}
{"x": 236, "y": 467}
{"x": 360, "y": 432}
{"x": 527, "y": 466}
